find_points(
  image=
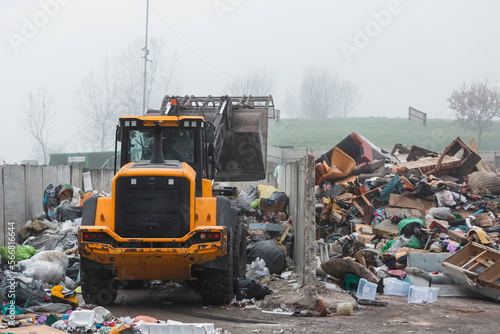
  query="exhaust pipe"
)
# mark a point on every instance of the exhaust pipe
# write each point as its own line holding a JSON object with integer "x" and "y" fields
{"x": 157, "y": 157}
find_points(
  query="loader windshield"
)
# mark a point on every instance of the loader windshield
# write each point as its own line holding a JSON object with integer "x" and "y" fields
{"x": 177, "y": 145}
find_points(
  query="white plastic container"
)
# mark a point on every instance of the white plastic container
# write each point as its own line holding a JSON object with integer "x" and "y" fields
{"x": 81, "y": 319}
{"x": 174, "y": 327}
{"x": 422, "y": 295}
{"x": 393, "y": 286}
{"x": 366, "y": 290}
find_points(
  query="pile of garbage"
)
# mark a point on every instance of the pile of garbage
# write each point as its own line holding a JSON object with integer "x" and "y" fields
{"x": 263, "y": 211}
{"x": 413, "y": 217}
{"x": 100, "y": 320}
{"x": 41, "y": 274}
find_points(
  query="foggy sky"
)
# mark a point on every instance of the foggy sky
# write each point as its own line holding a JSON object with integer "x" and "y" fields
{"x": 399, "y": 53}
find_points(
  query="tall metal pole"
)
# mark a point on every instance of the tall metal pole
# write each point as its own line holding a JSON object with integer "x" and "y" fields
{"x": 146, "y": 53}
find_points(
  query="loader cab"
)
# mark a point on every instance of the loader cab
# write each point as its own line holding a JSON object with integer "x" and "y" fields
{"x": 181, "y": 141}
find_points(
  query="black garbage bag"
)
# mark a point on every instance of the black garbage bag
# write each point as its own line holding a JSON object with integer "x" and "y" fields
{"x": 289, "y": 244}
{"x": 271, "y": 252}
{"x": 25, "y": 288}
{"x": 49, "y": 241}
{"x": 245, "y": 288}
{"x": 66, "y": 211}
{"x": 280, "y": 196}
{"x": 415, "y": 229}
{"x": 73, "y": 271}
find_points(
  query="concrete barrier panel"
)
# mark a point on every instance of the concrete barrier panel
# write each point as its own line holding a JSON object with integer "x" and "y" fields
{"x": 63, "y": 174}
{"x": 34, "y": 191}
{"x": 49, "y": 176}
{"x": 77, "y": 177}
{"x": 101, "y": 179}
{"x": 14, "y": 197}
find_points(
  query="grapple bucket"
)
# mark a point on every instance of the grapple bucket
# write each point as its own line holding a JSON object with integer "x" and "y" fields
{"x": 244, "y": 153}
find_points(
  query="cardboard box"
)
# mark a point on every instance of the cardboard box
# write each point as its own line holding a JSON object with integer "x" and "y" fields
{"x": 402, "y": 201}
{"x": 483, "y": 220}
{"x": 65, "y": 193}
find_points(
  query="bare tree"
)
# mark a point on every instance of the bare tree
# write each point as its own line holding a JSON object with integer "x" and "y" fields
{"x": 475, "y": 103}
{"x": 97, "y": 97}
{"x": 37, "y": 116}
{"x": 349, "y": 97}
{"x": 164, "y": 76}
{"x": 257, "y": 82}
{"x": 291, "y": 105}
{"x": 319, "y": 93}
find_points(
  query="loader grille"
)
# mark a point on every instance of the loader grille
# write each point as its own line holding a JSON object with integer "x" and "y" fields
{"x": 152, "y": 206}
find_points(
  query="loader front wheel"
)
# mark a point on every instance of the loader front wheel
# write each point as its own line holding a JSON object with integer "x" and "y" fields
{"x": 98, "y": 285}
{"x": 216, "y": 285}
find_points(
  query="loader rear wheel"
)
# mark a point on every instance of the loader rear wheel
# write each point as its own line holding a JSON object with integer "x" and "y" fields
{"x": 98, "y": 285}
{"x": 240, "y": 250}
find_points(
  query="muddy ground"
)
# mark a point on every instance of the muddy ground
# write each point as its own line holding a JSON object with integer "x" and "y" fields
{"x": 447, "y": 315}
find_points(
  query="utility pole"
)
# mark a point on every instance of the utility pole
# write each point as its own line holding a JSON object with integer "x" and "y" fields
{"x": 146, "y": 53}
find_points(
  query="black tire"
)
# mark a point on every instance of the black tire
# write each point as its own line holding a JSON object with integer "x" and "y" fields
{"x": 132, "y": 284}
{"x": 240, "y": 250}
{"x": 216, "y": 285}
{"x": 98, "y": 285}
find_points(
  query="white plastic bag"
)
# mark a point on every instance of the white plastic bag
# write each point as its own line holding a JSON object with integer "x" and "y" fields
{"x": 442, "y": 213}
{"x": 54, "y": 256}
{"x": 257, "y": 270}
{"x": 76, "y": 201}
{"x": 47, "y": 272}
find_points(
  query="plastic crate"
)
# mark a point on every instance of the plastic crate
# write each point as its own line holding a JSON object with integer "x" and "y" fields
{"x": 351, "y": 282}
{"x": 422, "y": 295}
{"x": 366, "y": 290}
{"x": 393, "y": 286}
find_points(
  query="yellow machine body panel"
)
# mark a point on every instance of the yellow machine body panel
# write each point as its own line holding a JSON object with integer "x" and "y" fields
{"x": 136, "y": 263}
{"x": 137, "y": 258}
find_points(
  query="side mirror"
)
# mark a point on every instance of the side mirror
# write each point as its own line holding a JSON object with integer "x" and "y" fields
{"x": 118, "y": 134}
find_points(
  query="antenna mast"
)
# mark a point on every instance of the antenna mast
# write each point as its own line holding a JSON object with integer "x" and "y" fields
{"x": 146, "y": 53}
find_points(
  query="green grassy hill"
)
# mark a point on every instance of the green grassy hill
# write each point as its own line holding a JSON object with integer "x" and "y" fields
{"x": 316, "y": 133}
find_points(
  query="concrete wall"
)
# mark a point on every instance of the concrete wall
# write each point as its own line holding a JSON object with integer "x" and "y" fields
{"x": 22, "y": 187}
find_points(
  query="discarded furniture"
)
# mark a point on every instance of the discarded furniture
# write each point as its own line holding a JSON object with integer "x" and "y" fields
{"x": 468, "y": 160}
{"x": 343, "y": 166}
{"x": 476, "y": 267}
{"x": 425, "y": 269}
{"x": 357, "y": 148}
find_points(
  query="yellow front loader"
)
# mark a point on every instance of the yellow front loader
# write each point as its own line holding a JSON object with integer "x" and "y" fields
{"x": 163, "y": 220}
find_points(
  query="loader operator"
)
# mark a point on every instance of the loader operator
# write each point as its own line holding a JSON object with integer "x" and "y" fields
{"x": 169, "y": 152}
